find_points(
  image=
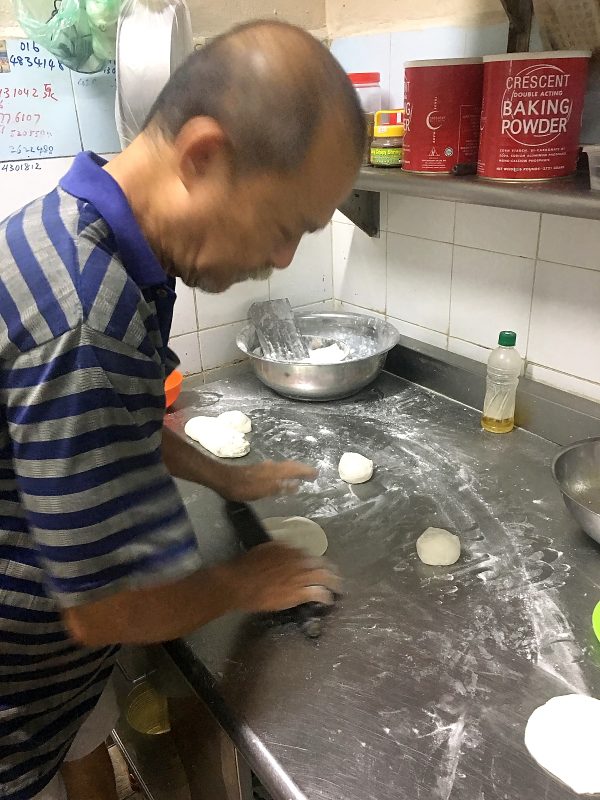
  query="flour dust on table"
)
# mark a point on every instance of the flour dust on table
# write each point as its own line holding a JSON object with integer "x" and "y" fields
{"x": 299, "y": 532}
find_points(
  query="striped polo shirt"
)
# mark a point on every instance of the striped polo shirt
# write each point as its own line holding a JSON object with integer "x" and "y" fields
{"x": 87, "y": 507}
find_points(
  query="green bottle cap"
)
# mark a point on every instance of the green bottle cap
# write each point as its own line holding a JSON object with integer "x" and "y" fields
{"x": 507, "y": 339}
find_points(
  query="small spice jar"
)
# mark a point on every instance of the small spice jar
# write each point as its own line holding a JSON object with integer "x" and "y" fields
{"x": 387, "y": 145}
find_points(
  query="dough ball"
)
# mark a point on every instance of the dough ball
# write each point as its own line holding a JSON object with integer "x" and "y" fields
{"x": 333, "y": 354}
{"x": 298, "y": 532}
{"x": 438, "y": 548}
{"x": 354, "y": 468}
{"x": 217, "y": 438}
{"x": 562, "y": 736}
{"x": 236, "y": 420}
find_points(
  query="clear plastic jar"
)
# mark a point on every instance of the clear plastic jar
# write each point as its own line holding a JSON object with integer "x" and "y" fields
{"x": 368, "y": 88}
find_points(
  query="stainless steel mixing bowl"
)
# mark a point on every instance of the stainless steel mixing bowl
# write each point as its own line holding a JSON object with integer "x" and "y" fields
{"x": 576, "y": 470}
{"x": 368, "y": 340}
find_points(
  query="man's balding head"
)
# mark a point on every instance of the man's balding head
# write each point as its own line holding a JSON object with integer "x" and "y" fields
{"x": 270, "y": 86}
{"x": 254, "y": 142}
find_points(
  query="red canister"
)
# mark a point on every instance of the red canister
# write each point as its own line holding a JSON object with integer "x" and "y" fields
{"x": 442, "y": 110}
{"x": 531, "y": 117}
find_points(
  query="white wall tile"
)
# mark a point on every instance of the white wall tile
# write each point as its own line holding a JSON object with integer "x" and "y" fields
{"x": 486, "y": 40}
{"x": 418, "y": 281}
{"x": 352, "y": 309}
{"x": 184, "y": 313}
{"x": 188, "y": 350}
{"x": 218, "y": 345}
{"x": 565, "y": 320}
{"x": 469, "y": 350}
{"x": 229, "y": 306}
{"x": 312, "y": 308}
{"x": 359, "y": 267}
{"x": 566, "y": 382}
{"x": 420, "y": 334}
{"x": 21, "y": 187}
{"x": 308, "y": 278}
{"x": 491, "y": 292}
{"x": 369, "y": 53}
{"x": 418, "y": 216}
{"x": 447, "y": 42}
{"x": 499, "y": 230}
{"x": 566, "y": 240}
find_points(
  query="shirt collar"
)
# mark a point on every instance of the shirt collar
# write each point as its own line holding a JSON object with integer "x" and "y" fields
{"x": 88, "y": 181}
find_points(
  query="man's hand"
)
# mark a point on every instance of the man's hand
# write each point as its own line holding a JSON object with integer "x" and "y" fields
{"x": 273, "y": 577}
{"x": 244, "y": 483}
{"x": 241, "y": 483}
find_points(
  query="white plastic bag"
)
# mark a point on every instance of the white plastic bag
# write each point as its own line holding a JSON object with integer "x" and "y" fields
{"x": 154, "y": 37}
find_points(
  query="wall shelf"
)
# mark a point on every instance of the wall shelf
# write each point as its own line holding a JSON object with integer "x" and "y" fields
{"x": 570, "y": 197}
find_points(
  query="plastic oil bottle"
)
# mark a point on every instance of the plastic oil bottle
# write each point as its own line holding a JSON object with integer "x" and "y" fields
{"x": 503, "y": 372}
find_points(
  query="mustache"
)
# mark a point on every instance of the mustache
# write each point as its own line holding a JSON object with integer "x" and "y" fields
{"x": 262, "y": 273}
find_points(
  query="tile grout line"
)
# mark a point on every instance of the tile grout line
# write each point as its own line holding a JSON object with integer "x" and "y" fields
{"x": 533, "y": 282}
{"x": 452, "y": 271}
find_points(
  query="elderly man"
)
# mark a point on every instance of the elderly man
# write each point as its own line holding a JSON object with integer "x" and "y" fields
{"x": 251, "y": 144}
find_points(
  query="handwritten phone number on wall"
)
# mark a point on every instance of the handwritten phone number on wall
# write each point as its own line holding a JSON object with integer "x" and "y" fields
{"x": 15, "y": 133}
{"x": 36, "y": 63}
{"x": 24, "y": 150}
{"x": 19, "y": 117}
{"x": 21, "y": 166}
{"x": 14, "y": 92}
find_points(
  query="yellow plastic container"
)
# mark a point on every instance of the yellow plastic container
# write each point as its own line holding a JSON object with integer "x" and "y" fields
{"x": 147, "y": 710}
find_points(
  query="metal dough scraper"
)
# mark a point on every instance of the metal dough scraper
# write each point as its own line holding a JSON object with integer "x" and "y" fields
{"x": 277, "y": 332}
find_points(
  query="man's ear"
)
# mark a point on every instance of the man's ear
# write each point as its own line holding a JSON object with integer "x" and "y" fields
{"x": 201, "y": 146}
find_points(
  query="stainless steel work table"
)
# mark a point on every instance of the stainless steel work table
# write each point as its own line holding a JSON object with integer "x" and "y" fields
{"x": 423, "y": 679}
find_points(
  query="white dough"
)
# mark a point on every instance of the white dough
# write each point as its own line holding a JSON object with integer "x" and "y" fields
{"x": 438, "y": 548}
{"x": 562, "y": 736}
{"x": 297, "y": 532}
{"x": 236, "y": 420}
{"x": 333, "y": 354}
{"x": 217, "y": 438}
{"x": 354, "y": 468}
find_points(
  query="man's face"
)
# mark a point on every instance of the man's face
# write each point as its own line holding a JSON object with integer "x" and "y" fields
{"x": 236, "y": 228}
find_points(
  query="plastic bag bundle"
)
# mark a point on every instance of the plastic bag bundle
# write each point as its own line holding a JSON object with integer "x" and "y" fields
{"x": 80, "y": 33}
{"x": 154, "y": 37}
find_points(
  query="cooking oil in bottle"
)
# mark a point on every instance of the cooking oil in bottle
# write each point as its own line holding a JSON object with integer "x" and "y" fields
{"x": 503, "y": 371}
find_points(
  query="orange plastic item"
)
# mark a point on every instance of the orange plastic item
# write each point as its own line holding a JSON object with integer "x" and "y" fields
{"x": 173, "y": 387}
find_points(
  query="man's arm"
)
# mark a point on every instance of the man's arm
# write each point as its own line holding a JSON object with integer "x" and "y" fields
{"x": 242, "y": 483}
{"x": 268, "y": 578}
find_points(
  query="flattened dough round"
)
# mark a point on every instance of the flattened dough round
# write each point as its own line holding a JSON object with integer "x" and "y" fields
{"x": 562, "y": 736}
{"x": 438, "y": 548}
{"x": 354, "y": 468}
{"x": 299, "y": 532}
{"x": 236, "y": 420}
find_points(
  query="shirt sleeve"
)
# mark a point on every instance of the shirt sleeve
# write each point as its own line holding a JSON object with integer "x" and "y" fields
{"x": 85, "y": 414}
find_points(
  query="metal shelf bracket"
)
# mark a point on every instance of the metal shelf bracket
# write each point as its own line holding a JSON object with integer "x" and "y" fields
{"x": 520, "y": 16}
{"x": 362, "y": 207}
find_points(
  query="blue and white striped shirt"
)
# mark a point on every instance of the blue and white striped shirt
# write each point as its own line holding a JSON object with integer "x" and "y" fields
{"x": 87, "y": 507}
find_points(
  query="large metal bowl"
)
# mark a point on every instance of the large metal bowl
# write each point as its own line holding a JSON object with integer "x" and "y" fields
{"x": 368, "y": 340}
{"x": 576, "y": 470}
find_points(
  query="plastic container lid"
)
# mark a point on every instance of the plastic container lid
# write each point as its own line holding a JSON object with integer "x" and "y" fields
{"x": 507, "y": 339}
{"x": 364, "y": 78}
